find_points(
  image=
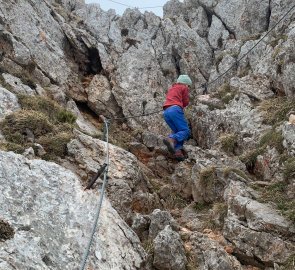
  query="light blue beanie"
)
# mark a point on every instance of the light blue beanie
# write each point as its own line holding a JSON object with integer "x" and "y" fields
{"x": 185, "y": 79}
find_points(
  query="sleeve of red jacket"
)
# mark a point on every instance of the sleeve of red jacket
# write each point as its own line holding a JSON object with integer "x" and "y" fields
{"x": 185, "y": 96}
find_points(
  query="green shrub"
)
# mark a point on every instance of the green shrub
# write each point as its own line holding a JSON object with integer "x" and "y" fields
{"x": 65, "y": 116}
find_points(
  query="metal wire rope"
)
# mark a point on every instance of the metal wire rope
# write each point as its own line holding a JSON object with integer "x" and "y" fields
{"x": 105, "y": 180}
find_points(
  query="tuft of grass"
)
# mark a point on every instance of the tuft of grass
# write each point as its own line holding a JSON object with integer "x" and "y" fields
{"x": 200, "y": 206}
{"x": 250, "y": 157}
{"x": 224, "y": 93}
{"x": 175, "y": 201}
{"x": 217, "y": 217}
{"x": 208, "y": 176}
{"x": 276, "y": 40}
{"x": 240, "y": 173}
{"x": 290, "y": 263}
{"x": 65, "y": 116}
{"x": 289, "y": 169}
{"x": 50, "y": 124}
{"x": 229, "y": 143}
{"x": 277, "y": 193}
{"x": 148, "y": 246}
{"x": 14, "y": 126}
{"x": 55, "y": 144}
{"x": 275, "y": 110}
{"x": 192, "y": 263}
{"x": 6, "y": 231}
{"x": 251, "y": 37}
{"x": 48, "y": 107}
{"x": 273, "y": 138}
{"x": 16, "y": 148}
{"x": 244, "y": 71}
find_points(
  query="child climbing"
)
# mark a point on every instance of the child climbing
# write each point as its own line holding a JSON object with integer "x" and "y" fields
{"x": 177, "y": 99}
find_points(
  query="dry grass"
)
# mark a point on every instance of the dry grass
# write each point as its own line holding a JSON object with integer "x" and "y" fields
{"x": 275, "y": 110}
{"x": 229, "y": 143}
{"x": 250, "y": 157}
{"x": 224, "y": 93}
{"x": 47, "y": 122}
{"x": 273, "y": 138}
{"x": 278, "y": 194}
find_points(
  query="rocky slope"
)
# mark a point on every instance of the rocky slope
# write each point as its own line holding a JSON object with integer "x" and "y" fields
{"x": 230, "y": 205}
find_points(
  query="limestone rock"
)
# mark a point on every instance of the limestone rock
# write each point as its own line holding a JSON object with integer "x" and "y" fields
{"x": 208, "y": 254}
{"x": 169, "y": 253}
{"x": 217, "y": 35}
{"x": 83, "y": 124}
{"x": 36, "y": 42}
{"x": 255, "y": 87}
{"x": 16, "y": 85}
{"x": 239, "y": 117}
{"x": 52, "y": 218}
{"x": 100, "y": 97}
{"x": 159, "y": 220}
{"x": 288, "y": 132}
{"x": 8, "y": 102}
{"x": 125, "y": 175}
{"x": 247, "y": 18}
{"x": 256, "y": 229}
{"x": 140, "y": 226}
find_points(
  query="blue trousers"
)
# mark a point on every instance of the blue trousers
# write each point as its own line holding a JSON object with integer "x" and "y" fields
{"x": 175, "y": 119}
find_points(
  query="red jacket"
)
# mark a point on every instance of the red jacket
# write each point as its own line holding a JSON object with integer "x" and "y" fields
{"x": 177, "y": 95}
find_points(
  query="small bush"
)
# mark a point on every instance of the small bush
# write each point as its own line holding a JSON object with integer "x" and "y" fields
{"x": 208, "y": 177}
{"x": 229, "y": 143}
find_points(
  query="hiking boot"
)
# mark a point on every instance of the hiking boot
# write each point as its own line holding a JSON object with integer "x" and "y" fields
{"x": 179, "y": 155}
{"x": 170, "y": 143}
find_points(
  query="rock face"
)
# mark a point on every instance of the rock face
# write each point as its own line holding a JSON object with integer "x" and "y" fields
{"x": 237, "y": 183}
{"x": 169, "y": 252}
{"x": 9, "y": 102}
{"x": 52, "y": 219}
